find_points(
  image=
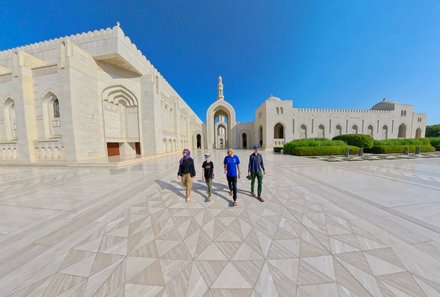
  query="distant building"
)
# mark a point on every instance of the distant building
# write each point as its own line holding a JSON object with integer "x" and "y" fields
{"x": 278, "y": 122}
{"x": 91, "y": 96}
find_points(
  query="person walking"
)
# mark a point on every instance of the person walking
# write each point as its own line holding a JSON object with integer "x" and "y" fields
{"x": 186, "y": 172}
{"x": 256, "y": 171}
{"x": 232, "y": 171}
{"x": 208, "y": 174}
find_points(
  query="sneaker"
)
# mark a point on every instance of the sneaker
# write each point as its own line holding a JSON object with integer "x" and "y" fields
{"x": 235, "y": 203}
{"x": 261, "y": 199}
{"x": 252, "y": 194}
{"x": 230, "y": 193}
{"x": 209, "y": 197}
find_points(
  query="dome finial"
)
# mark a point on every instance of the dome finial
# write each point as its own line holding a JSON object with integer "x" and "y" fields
{"x": 220, "y": 89}
{"x": 118, "y": 24}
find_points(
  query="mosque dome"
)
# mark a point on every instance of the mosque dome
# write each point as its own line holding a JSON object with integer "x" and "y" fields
{"x": 273, "y": 98}
{"x": 385, "y": 104}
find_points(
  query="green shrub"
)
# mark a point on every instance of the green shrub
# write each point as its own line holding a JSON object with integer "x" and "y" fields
{"x": 317, "y": 142}
{"x": 435, "y": 142}
{"x": 418, "y": 141}
{"x": 277, "y": 149}
{"x": 399, "y": 149}
{"x": 323, "y": 150}
{"x": 359, "y": 140}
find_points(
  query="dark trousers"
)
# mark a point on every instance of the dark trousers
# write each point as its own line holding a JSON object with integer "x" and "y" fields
{"x": 232, "y": 183}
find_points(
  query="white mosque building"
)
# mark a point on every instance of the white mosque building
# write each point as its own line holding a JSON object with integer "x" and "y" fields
{"x": 94, "y": 95}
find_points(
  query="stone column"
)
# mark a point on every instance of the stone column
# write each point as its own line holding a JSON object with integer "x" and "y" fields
{"x": 25, "y": 117}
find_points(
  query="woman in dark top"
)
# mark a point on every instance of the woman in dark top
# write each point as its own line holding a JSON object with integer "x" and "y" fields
{"x": 186, "y": 172}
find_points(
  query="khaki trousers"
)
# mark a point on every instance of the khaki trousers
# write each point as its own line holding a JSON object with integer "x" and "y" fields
{"x": 187, "y": 183}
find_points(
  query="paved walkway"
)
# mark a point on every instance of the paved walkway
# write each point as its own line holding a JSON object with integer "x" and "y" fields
{"x": 368, "y": 228}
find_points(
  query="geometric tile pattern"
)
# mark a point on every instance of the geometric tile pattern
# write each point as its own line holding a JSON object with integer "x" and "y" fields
{"x": 129, "y": 232}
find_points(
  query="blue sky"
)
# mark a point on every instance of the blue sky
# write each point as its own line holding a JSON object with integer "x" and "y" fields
{"x": 326, "y": 54}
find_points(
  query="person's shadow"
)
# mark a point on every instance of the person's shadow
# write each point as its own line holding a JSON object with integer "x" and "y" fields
{"x": 167, "y": 186}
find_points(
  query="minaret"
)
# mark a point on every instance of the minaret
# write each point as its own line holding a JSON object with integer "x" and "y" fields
{"x": 220, "y": 89}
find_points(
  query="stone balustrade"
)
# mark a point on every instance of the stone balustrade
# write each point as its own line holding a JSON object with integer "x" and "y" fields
{"x": 8, "y": 151}
{"x": 49, "y": 150}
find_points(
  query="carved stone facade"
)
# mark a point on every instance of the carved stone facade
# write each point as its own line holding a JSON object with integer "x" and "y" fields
{"x": 88, "y": 97}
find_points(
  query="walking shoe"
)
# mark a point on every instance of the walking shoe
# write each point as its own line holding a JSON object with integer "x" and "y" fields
{"x": 235, "y": 203}
{"x": 209, "y": 197}
{"x": 230, "y": 193}
{"x": 261, "y": 199}
{"x": 252, "y": 194}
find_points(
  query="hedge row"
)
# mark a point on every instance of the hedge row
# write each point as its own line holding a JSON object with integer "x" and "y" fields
{"x": 359, "y": 140}
{"x": 435, "y": 142}
{"x": 322, "y": 150}
{"x": 288, "y": 147}
{"x": 417, "y": 141}
{"x": 277, "y": 149}
{"x": 399, "y": 149}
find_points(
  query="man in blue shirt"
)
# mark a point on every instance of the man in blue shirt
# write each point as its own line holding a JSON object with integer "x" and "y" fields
{"x": 232, "y": 170}
{"x": 256, "y": 170}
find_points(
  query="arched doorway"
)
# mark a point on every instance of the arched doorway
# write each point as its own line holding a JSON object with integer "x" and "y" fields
{"x": 354, "y": 129}
{"x": 121, "y": 122}
{"x": 244, "y": 140}
{"x": 260, "y": 135}
{"x": 321, "y": 131}
{"x": 338, "y": 130}
{"x": 199, "y": 141}
{"x": 418, "y": 133}
{"x": 278, "y": 131}
{"x": 221, "y": 137}
{"x": 402, "y": 131}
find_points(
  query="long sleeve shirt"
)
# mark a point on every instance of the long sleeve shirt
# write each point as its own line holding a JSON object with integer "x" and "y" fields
{"x": 187, "y": 166}
{"x": 256, "y": 163}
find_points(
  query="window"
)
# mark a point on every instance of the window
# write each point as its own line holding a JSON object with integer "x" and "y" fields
{"x": 56, "y": 108}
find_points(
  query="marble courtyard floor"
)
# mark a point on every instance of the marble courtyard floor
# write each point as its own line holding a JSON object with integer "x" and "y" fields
{"x": 369, "y": 228}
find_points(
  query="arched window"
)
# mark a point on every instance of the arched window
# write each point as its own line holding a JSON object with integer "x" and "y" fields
{"x": 385, "y": 132}
{"x": 278, "y": 110}
{"x": 281, "y": 110}
{"x": 199, "y": 141}
{"x": 9, "y": 116}
{"x": 303, "y": 132}
{"x": 56, "y": 108}
{"x": 260, "y": 135}
{"x": 278, "y": 131}
{"x": 418, "y": 133}
{"x": 370, "y": 130}
{"x": 321, "y": 131}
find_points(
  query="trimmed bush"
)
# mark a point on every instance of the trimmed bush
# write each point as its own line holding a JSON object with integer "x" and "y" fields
{"x": 435, "y": 142}
{"x": 277, "y": 149}
{"x": 317, "y": 142}
{"x": 417, "y": 141}
{"x": 323, "y": 150}
{"x": 399, "y": 149}
{"x": 359, "y": 140}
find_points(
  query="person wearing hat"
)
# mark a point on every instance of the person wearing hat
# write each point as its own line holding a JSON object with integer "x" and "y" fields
{"x": 232, "y": 170}
{"x": 208, "y": 173}
{"x": 256, "y": 170}
{"x": 186, "y": 172}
